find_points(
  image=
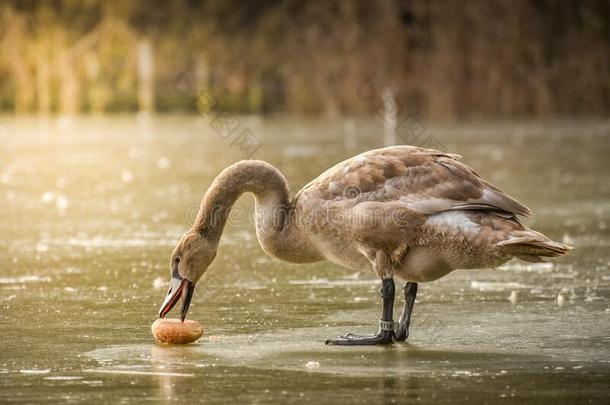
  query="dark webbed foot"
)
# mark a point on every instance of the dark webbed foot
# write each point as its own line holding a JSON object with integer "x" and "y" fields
{"x": 384, "y": 337}
{"x": 386, "y": 324}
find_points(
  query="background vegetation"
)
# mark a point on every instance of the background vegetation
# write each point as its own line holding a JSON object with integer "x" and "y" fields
{"x": 444, "y": 59}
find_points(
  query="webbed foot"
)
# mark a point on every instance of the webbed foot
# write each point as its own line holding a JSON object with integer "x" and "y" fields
{"x": 386, "y": 324}
{"x": 384, "y": 337}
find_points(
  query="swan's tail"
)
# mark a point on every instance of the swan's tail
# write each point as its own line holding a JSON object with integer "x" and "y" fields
{"x": 532, "y": 246}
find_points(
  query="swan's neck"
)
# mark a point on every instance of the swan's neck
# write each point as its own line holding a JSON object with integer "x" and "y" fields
{"x": 277, "y": 234}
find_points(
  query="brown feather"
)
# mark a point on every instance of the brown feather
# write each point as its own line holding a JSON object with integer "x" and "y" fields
{"x": 532, "y": 246}
{"x": 424, "y": 180}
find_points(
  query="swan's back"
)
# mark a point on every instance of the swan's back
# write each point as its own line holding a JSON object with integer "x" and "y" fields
{"x": 424, "y": 180}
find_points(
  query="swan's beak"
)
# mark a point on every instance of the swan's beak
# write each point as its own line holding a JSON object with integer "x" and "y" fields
{"x": 179, "y": 287}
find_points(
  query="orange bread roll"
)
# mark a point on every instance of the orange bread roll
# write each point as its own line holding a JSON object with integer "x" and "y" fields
{"x": 170, "y": 330}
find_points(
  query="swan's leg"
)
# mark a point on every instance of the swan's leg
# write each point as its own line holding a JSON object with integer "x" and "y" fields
{"x": 386, "y": 324}
{"x": 410, "y": 291}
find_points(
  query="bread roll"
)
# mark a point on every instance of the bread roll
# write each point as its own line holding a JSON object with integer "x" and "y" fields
{"x": 174, "y": 331}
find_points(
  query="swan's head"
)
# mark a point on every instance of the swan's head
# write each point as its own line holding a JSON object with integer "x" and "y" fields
{"x": 190, "y": 259}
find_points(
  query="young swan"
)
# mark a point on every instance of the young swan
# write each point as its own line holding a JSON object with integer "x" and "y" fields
{"x": 402, "y": 211}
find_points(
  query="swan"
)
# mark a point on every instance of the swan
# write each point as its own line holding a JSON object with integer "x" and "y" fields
{"x": 401, "y": 211}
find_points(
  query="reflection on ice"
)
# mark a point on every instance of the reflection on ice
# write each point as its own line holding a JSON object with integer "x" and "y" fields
{"x": 296, "y": 350}
{"x": 135, "y": 372}
{"x": 496, "y": 286}
{"x": 36, "y": 371}
{"x": 78, "y": 291}
{"x": 514, "y": 296}
{"x": 163, "y": 163}
{"x": 518, "y": 266}
{"x": 63, "y": 378}
{"x": 324, "y": 282}
{"x": 29, "y": 278}
{"x": 160, "y": 282}
{"x": 105, "y": 242}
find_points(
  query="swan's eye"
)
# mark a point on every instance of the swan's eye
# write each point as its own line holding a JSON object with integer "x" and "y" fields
{"x": 177, "y": 260}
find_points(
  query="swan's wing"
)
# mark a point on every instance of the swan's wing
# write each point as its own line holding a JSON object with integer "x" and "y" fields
{"x": 425, "y": 180}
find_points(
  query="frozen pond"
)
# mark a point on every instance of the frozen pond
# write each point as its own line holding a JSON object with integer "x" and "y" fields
{"x": 91, "y": 208}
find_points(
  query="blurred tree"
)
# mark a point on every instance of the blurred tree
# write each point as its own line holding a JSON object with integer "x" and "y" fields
{"x": 447, "y": 59}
